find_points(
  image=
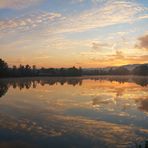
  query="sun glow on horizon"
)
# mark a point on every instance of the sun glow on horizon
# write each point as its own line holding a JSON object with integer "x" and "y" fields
{"x": 81, "y": 33}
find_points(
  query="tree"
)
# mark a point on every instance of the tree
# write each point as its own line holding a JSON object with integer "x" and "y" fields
{"x": 3, "y": 68}
{"x": 141, "y": 70}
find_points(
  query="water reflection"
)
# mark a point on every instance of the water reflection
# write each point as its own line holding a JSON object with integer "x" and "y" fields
{"x": 106, "y": 111}
{"x": 33, "y": 82}
{"x": 3, "y": 88}
{"x": 143, "y": 104}
{"x": 27, "y": 83}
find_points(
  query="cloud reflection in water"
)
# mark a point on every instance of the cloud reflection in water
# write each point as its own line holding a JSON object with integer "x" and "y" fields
{"x": 78, "y": 112}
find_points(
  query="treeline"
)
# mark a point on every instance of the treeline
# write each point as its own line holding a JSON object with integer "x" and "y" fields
{"x": 139, "y": 70}
{"x": 28, "y": 71}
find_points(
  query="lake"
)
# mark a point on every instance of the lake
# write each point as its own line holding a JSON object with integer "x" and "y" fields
{"x": 74, "y": 112}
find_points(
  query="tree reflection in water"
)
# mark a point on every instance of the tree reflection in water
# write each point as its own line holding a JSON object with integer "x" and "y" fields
{"x": 103, "y": 91}
{"x": 3, "y": 88}
{"x": 27, "y": 83}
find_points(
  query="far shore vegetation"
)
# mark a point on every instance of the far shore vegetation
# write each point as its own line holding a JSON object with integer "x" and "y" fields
{"x": 33, "y": 71}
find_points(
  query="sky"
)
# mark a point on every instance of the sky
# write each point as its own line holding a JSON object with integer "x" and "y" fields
{"x": 65, "y": 33}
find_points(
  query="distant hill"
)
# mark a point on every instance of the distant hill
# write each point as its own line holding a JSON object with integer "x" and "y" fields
{"x": 130, "y": 67}
{"x": 139, "y": 69}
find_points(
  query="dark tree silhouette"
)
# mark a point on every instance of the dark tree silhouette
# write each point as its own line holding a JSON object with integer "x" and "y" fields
{"x": 3, "y": 68}
{"x": 141, "y": 70}
{"x": 31, "y": 71}
{"x": 3, "y": 88}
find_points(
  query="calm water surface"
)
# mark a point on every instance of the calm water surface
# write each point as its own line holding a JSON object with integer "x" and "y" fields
{"x": 89, "y": 112}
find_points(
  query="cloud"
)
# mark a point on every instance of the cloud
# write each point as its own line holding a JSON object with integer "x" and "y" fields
{"x": 47, "y": 30}
{"x": 28, "y": 22}
{"x": 143, "y": 42}
{"x": 119, "y": 55}
{"x": 98, "y": 46}
{"x": 109, "y": 13}
{"x": 99, "y": 1}
{"x": 17, "y": 4}
{"x": 99, "y": 59}
{"x": 77, "y": 1}
{"x": 144, "y": 16}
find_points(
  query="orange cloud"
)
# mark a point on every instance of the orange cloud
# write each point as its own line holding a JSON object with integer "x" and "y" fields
{"x": 99, "y": 46}
{"x": 117, "y": 59}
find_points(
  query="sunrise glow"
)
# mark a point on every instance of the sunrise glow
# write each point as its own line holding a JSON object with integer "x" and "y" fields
{"x": 86, "y": 33}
